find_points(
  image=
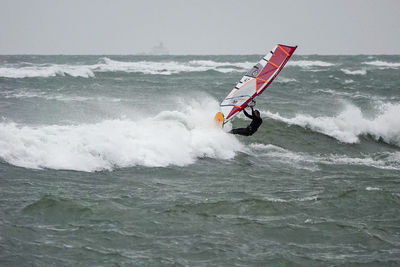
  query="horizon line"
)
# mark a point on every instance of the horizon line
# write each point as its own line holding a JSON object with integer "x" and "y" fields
{"x": 144, "y": 54}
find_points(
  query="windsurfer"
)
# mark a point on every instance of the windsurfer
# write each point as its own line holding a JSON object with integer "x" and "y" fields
{"x": 253, "y": 126}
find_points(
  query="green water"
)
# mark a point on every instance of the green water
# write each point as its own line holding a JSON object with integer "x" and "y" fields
{"x": 111, "y": 161}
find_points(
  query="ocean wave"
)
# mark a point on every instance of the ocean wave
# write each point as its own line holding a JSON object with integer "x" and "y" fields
{"x": 236, "y": 66}
{"x": 279, "y": 154}
{"x": 354, "y": 72}
{"x": 385, "y": 160}
{"x": 109, "y": 65}
{"x": 170, "y": 138}
{"x": 383, "y": 64}
{"x": 382, "y": 160}
{"x": 348, "y": 81}
{"x": 369, "y": 188}
{"x": 106, "y": 64}
{"x": 172, "y": 67}
{"x": 334, "y": 92}
{"x": 351, "y": 123}
{"x": 285, "y": 80}
{"x": 57, "y": 209}
{"x": 351, "y": 95}
{"x": 301, "y": 199}
{"x": 47, "y": 71}
{"x": 309, "y": 63}
{"x": 59, "y": 97}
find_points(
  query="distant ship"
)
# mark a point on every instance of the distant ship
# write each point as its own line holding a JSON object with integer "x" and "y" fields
{"x": 159, "y": 50}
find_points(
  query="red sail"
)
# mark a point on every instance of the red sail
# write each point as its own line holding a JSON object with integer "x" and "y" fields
{"x": 256, "y": 80}
{"x": 277, "y": 61}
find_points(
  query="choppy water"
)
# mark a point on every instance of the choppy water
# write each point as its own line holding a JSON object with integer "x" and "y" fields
{"x": 114, "y": 160}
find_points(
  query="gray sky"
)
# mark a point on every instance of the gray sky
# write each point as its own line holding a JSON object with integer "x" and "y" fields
{"x": 199, "y": 27}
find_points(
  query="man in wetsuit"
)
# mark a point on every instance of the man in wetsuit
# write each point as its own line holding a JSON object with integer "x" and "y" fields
{"x": 253, "y": 127}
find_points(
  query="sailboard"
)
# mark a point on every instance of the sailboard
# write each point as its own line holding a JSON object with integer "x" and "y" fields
{"x": 254, "y": 82}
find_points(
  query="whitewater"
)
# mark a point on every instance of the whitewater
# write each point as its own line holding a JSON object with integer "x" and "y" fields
{"x": 177, "y": 137}
{"x": 116, "y": 160}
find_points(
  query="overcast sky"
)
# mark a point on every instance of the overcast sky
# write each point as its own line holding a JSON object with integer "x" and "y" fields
{"x": 199, "y": 27}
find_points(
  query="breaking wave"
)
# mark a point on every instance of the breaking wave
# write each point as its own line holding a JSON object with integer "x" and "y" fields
{"x": 47, "y": 71}
{"x": 146, "y": 67}
{"x": 354, "y": 72}
{"x": 109, "y": 65}
{"x": 309, "y": 63}
{"x": 177, "y": 137}
{"x": 351, "y": 95}
{"x": 352, "y": 123}
{"x": 281, "y": 79}
{"x": 369, "y": 188}
{"x": 301, "y": 160}
{"x": 222, "y": 66}
{"x": 170, "y": 67}
{"x": 383, "y": 64}
{"x": 59, "y": 97}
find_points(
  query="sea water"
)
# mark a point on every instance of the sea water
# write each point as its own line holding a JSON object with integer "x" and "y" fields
{"x": 116, "y": 161}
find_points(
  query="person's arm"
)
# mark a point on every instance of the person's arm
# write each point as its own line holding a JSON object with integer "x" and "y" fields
{"x": 247, "y": 114}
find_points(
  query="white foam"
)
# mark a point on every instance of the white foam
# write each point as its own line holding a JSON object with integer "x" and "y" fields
{"x": 171, "y": 67}
{"x": 108, "y": 65}
{"x": 301, "y": 160}
{"x": 301, "y": 199}
{"x": 334, "y": 92}
{"x": 51, "y": 96}
{"x": 285, "y": 80}
{"x": 351, "y": 123}
{"x": 378, "y": 160}
{"x": 213, "y": 64}
{"x": 354, "y": 72}
{"x": 258, "y": 146}
{"x": 348, "y": 81}
{"x": 383, "y": 64}
{"x": 369, "y": 188}
{"x": 309, "y": 63}
{"x": 354, "y": 94}
{"x": 281, "y": 155}
{"x": 47, "y": 71}
{"x": 394, "y": 157}
{"x": 177, "y": 137}
{"x": 147, "y": 67}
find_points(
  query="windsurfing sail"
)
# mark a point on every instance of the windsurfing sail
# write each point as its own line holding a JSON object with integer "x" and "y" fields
{"x": 255, "y": 81}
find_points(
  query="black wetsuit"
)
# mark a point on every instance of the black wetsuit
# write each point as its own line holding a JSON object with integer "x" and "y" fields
{"x": 252, "y": 128}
